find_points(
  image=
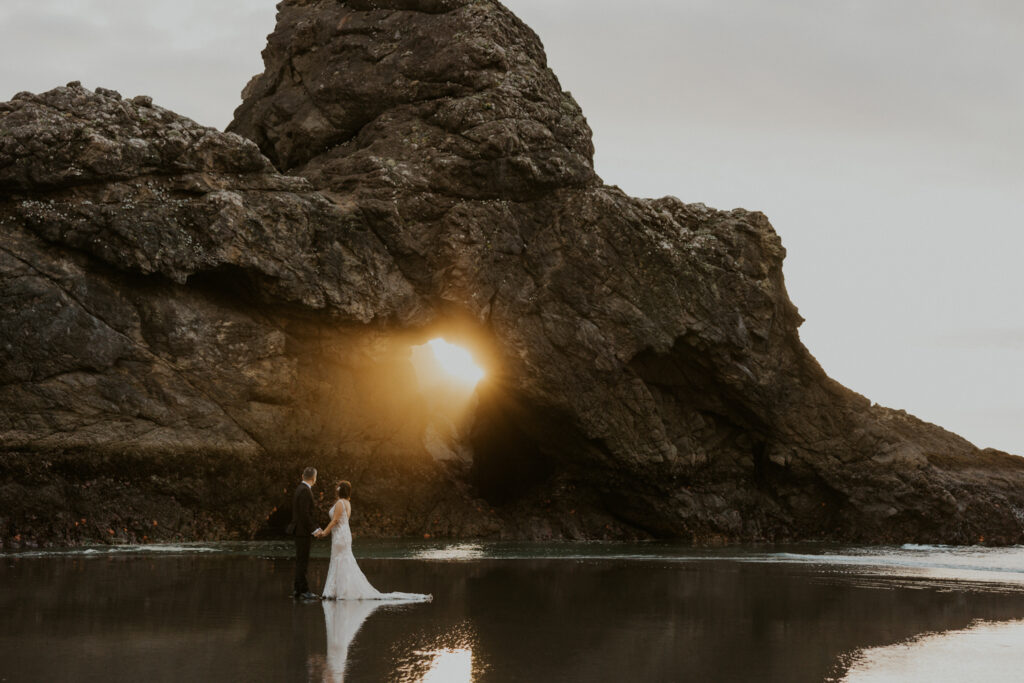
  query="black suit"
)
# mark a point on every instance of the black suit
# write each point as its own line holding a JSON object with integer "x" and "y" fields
{"x": 302, "y": 521}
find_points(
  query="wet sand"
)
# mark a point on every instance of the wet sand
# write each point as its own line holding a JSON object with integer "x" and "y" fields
{"x": 556, "y": 613}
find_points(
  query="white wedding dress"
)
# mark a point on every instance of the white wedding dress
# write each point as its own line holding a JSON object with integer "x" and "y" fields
{"x": 343, "y": 618}
{"x": 345, "y": 580}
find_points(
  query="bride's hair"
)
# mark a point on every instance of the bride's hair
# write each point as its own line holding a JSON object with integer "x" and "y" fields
{"x": 344, "y": 489}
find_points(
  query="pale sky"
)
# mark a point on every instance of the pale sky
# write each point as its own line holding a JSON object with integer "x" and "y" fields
{"x": 884, "y": 139}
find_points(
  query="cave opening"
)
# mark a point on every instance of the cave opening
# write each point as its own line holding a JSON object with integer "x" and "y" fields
{"x": 448, "y": 376}
{"x": 509, "y": 458}
{"x": 415, "y": 417}
{"x": 476, "y": 419}
{"x": 440, "y": 362}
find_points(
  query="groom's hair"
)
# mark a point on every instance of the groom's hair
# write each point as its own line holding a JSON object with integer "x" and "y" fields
{"x": 308, "y": 473}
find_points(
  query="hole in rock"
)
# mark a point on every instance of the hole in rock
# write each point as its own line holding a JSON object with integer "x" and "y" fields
{"x": 439, "y": 363}
{"x": 448, "y": 376}
{"x": 507, "y": 456}
{"x": 475, "y": 419}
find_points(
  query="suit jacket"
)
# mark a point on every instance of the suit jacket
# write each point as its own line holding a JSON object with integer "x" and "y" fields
{"x": 302, "y": 511}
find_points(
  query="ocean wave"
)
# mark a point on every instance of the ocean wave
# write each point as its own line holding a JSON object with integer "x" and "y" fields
{"x": 457, "y": 552}
{"x": 165, "y": 549}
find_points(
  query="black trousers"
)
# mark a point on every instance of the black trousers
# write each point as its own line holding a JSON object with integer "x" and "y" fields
{"x": 302, "y": 544}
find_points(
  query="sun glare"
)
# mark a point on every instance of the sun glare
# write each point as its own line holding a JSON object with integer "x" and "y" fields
{"x": 456, "y": 361}
{"x": 449, "y": 666}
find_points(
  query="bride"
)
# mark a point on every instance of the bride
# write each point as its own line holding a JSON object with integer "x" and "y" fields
{"x": 345, "y": 580}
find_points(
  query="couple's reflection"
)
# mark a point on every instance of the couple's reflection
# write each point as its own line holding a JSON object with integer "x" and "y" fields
{"x": 447, "y": 662}
{"x": 344, "y": 619}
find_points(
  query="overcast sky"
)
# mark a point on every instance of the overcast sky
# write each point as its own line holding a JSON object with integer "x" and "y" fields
{"x": 884, "y": 140}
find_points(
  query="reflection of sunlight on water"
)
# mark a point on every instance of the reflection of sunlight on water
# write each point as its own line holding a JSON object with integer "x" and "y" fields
{"x": 985, "y": 651}
{"x": 449, "y": 666}
{"x": 444, "y": 658}
{"x": 985, "y": 566}
{"x": 459, "y": 551}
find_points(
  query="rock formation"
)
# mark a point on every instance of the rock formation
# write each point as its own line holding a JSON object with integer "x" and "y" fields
{"x": 190, "y": 316}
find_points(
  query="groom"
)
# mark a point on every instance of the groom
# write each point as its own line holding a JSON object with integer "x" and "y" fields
{"x": 302, "y": 527}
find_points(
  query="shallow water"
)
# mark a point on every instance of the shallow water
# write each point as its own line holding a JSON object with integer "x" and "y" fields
{"x": 983, "y": 652}
{"x": 515, "y": 612}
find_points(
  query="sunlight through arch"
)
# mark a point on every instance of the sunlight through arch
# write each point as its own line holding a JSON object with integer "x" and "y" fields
{"x": 446, "y": 361}
{"x": 447, "y": 375}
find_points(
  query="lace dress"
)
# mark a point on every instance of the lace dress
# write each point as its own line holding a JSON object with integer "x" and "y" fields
{"x": 345, "y": 580}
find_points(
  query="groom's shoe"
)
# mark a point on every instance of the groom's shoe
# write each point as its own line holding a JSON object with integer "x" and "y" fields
{"x": 309, "y": 596}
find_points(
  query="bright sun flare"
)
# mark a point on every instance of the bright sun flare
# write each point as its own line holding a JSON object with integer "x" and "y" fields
{"x": 456, "y": 361}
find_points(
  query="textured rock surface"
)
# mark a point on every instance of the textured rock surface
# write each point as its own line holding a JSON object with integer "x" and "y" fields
{"x": 186, "y": 321}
